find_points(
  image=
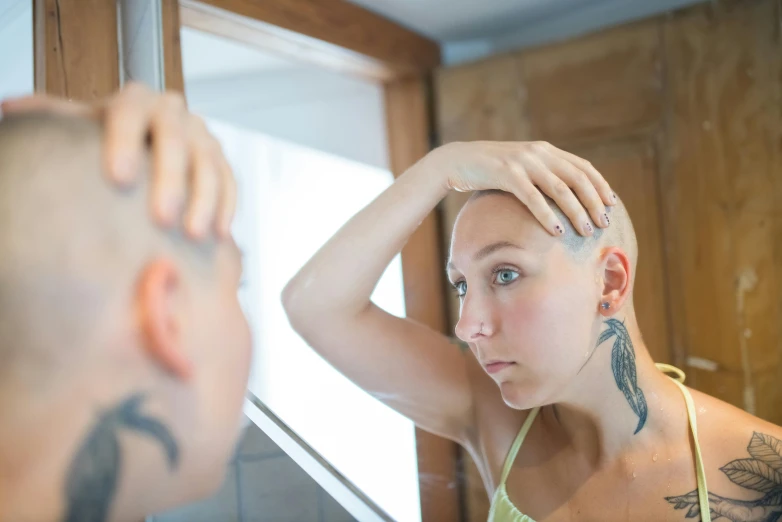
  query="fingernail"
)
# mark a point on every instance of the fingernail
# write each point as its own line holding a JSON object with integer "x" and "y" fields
{"x": 589, "y": 229}
{"x": 605, "y": 220}
{"x": 613, "y": 196}
{"x": 559, "y": 229}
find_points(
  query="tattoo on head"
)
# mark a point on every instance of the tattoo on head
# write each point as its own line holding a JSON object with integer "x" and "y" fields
{"x": 623, "y": 366}
{"x": 92, "y": 477}
{"x": 761, "y": 473}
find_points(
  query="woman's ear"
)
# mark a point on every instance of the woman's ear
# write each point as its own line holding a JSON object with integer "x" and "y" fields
{"x": 617, "y": 280}
{"x": 160, "y": 321}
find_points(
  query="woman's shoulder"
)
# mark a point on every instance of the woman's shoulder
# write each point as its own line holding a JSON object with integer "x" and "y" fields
{"x": 742, "y": 455}
{"x": 721, "y": 423}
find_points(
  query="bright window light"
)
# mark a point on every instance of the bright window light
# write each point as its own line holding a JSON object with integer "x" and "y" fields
{"x": 292, "y": 200}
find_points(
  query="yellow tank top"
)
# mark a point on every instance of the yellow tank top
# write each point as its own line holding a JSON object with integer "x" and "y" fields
{"x": 503, "y": 510}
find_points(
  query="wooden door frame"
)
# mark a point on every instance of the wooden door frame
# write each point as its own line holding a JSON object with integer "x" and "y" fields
{"x": 343, "y": 37}
{"x": 73, "y": 59}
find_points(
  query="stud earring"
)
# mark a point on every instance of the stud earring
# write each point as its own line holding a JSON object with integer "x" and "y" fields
{"x": 605, "y": 305}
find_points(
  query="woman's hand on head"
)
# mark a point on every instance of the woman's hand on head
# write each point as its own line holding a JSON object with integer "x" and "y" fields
{"x": 191, "y": 179}
{"x": 528, "y": 170}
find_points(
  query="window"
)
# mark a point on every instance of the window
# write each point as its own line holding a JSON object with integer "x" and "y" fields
{"x": 292, "y": 200}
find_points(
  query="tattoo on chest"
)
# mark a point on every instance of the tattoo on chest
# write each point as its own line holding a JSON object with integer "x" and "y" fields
{"x": 623, "y": 366}
{"x": 92, "y": 477}
{"x": 762, "y": 474}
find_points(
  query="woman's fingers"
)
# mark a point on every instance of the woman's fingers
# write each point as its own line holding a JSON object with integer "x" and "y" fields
{"x": 227, "y": 204}
{"x": 170, "y": 159}
{"x": 558, "y": 190}
{"x": 607, "y": 195}
{"x": 564, "y": 182}
{"x": 205, "y": 186}
{"x": 127, "y": 124}
{"x": 187, "y": 162}
{"x": 522, "y": 186}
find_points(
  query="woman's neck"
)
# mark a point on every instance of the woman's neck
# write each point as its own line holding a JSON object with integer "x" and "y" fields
{"x": 620, "y": 402}
{"x": 40, "y": 437}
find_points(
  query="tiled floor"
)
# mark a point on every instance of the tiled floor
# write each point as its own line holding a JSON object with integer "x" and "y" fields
{"x": 262, "y": 485}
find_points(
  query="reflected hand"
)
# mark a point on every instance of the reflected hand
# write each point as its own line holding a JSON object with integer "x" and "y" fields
{"x": 187, "y": 161}
{"x": 528, "y": 170}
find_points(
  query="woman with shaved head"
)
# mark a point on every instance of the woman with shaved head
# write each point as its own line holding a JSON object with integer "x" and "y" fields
{"x": 557, "y": 398}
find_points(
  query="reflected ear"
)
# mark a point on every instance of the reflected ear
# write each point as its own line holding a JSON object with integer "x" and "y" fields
{"x": 160, "y": 322}
{"x": 617, "y": 279}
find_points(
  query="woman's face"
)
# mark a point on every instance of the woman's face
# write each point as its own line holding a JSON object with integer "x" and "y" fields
{"x": 529, "y": 309}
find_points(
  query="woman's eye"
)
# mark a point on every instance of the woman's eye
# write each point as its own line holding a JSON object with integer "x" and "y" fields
{"x": 503, "y": 277}
{"x": 461, "y": 288}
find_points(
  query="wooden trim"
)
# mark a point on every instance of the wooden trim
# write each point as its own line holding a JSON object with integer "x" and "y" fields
{"x": 408, "y": 138}
{"x": 336, "y": 35}
{"x": 74, "y": 59}
{"x": 172, "y": 46}
{"x": 282, "y": 42}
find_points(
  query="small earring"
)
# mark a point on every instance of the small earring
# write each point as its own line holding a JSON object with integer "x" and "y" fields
{"x": 605, "y": 305}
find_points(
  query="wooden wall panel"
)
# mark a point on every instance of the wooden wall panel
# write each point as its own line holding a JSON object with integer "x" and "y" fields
{"x": 172, "y": 46}
{"x": 721, "y": 184}
{"x": 75, "y": 59}
{"x": 341, "y": 24}
{"x": 602, "y": 84}
{"x": 481, "y": 101}
{"x": 408, "y": 137}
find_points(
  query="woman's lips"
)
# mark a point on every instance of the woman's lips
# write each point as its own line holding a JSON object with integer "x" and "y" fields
{"x": 497, "y": 366}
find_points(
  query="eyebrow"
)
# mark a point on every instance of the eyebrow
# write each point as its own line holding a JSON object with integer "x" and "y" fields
{"x": 488, "y": 250}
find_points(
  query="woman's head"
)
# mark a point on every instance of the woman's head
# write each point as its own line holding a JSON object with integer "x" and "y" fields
{"x": 531, "y": 303}
{"x": 103, "y": 308}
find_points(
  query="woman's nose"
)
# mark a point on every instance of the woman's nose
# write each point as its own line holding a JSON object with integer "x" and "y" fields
{"x": 473, "y": 321}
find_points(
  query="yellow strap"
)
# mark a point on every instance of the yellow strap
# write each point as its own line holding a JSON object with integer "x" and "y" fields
{"x": 514, "y": 449}
{"x": 667, "y": 368}
{"x": 703, "y": 490}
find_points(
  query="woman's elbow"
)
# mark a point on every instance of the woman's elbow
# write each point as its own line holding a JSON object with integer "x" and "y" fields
{"x": 293, "y": 304}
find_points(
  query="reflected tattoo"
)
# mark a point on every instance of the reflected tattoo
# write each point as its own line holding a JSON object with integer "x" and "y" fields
{"x": 92, "y": 477}
{"x": 623, "y": 366}
{"x": 761, "y": 473}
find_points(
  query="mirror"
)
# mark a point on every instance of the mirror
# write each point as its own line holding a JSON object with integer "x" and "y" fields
{"x": 309, "y": 150}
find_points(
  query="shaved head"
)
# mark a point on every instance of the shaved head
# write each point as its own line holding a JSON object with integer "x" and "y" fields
{"x": 619, "y": 234}
{"x": 534, "y": 298}
{"x": 107, "y": 318}
{"x": 70, "y": 244}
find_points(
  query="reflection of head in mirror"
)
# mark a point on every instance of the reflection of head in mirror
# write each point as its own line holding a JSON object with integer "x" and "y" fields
{"x": 124, "y": 353}
{"x": 534, "y": 298}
